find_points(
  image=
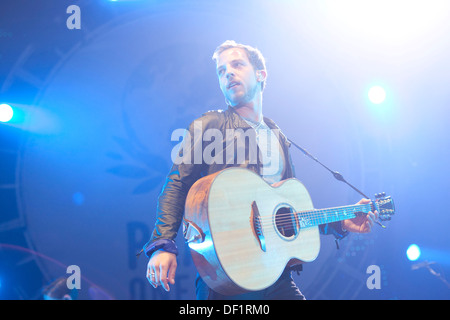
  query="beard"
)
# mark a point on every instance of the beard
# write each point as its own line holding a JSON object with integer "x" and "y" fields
{"x": 239, "y": 100}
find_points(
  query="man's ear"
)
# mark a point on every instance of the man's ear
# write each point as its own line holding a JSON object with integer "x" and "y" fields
{"x": 261, "y": 75}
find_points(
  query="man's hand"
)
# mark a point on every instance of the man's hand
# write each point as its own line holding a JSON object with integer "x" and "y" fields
{"x": 161, "y": 269}
{"x": 361, "y": 224}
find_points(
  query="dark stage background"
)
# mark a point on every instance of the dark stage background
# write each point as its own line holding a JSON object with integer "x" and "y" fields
{"x": 86, "y": 153}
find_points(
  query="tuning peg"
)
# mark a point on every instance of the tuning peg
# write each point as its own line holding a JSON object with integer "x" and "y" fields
{"x": 380, "y": 195}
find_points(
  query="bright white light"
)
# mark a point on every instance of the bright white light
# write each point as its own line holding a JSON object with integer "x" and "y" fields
{"x": 387, "y": 21}
{"x": 6, "y": 112}
{"x": 377, "y": 94}
{"x": 413, "y": 252}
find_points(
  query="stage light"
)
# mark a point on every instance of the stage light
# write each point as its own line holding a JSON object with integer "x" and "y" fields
{"x": 377, "y": 94}
{"x": 413, "y": 252}
{"x": 6, "y": 112}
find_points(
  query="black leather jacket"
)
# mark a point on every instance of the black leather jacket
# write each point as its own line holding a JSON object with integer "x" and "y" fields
{"x": 171, "y": 202}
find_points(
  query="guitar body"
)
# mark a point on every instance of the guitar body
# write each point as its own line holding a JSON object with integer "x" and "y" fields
{"x": 242, "y": 232}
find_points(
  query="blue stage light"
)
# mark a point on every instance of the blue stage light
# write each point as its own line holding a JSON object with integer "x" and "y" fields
{"x": 413, "y": 252}
{"x": 6, "y": 112}
{"x": 377, "y": 95}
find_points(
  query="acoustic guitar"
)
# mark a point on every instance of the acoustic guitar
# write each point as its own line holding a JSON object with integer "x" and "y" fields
{"x": 242, "y": 232}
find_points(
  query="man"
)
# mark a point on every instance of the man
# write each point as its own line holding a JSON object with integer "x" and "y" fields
{"x": 242, "y": 77}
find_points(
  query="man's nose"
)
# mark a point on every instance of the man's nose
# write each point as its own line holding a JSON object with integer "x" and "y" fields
{"x": 230, "y": 74}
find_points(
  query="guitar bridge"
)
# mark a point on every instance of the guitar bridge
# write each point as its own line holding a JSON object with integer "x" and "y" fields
{"x": 255, "y": 220}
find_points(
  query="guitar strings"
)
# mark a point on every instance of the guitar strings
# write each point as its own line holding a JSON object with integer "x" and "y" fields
{"x": 291, "y": 223}
{"x": 303, "y": 219}
{"x": 316, "y": 216}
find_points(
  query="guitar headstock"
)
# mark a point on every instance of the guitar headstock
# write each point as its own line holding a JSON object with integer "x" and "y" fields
{"x": 384, "y": 205}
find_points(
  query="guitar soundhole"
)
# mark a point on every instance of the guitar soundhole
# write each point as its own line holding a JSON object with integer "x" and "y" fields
{"x": 286, "y": 222}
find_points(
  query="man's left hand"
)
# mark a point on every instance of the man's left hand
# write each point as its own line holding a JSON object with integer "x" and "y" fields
{"x": 361, "y": 223}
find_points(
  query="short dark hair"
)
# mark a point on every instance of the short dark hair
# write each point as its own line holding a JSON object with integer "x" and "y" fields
{"x": 254, "y": 55}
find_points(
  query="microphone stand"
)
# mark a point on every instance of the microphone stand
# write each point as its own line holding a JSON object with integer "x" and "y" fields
{"x": 335, "y": 174}
{"x": 438, "y": 275}
{"x": 426, "y": 265}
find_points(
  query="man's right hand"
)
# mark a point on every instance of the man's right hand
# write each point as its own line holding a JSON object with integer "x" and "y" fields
{"x": 161, "y": 269}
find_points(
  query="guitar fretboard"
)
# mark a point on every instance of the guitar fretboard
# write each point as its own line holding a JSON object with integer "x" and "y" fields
{"x": 322, "y": 216}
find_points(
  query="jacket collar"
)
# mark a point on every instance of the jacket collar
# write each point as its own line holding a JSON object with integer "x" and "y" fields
{"x": 239, "y": 122}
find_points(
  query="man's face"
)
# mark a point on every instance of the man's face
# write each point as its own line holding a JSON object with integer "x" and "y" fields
{"x": 237, "y": 77}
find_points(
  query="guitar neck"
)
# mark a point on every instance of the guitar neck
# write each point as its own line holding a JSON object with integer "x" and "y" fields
{"x": 317, "y": 217}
